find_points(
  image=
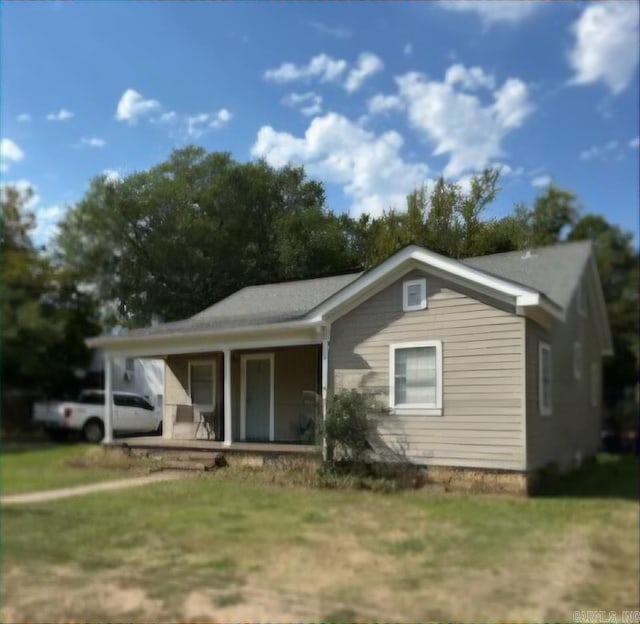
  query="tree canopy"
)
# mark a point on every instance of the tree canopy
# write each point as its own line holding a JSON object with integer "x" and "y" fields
{"x": 174, "y": 239}
{"x": 45, "y": 317}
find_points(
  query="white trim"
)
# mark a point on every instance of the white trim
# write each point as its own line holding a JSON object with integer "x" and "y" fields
{"x": 425, "y": 409}
{"x": 108, "y": 401}
{"x": 228, "y": 336}
{"x": 174, "y": 346}
{"x": 578, "y": 363}
{"x": 212, "y": 363}
{"x": 607, "y": 347}
{"x": 243, "y": 392}
{"x": 422, "y": 305}
{"x": 545, "y": 410}
{"x": 523, "y": 295}
{"x": 228, "y": 413}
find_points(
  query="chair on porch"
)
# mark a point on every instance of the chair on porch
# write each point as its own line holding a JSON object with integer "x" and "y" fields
{"x": 305, "y": 428}
{"x": 211, "y": 423}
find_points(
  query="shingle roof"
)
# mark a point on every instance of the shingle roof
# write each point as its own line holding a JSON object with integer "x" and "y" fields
{"x": 553, "y": 271}
{"x": 258, "y": 305}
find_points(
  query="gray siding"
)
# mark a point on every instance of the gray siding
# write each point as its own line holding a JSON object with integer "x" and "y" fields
{"x": 482, "y": 422}
{"x": 296, "y": 371}
{"x": 573, "y": 429}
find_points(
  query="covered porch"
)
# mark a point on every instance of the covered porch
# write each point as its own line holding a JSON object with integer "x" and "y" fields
{"x": 244, "y": 394}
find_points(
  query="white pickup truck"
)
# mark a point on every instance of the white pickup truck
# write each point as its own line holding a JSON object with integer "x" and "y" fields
{"x": 131, "y": 413}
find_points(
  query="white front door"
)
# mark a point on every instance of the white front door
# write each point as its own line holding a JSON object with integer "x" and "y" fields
{"x": 257, "y": 405}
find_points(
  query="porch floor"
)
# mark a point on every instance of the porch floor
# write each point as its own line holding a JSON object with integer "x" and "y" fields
{"x": 158, "y": 442}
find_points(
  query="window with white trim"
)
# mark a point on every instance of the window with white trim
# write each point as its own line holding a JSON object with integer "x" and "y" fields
{"x": 414, "y": 294}
{"x": 595, "y": 384}
{"x": 577, "y": 360}
{"x": 202, "y": 383}
{"x": 544, "y": 379}
{"x": 415, "y": 376}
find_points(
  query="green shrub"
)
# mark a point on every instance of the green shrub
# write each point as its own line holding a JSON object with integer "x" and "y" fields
{"x": 347, "y": 427}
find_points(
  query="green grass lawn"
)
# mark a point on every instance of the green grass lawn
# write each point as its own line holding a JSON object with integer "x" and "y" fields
{"x": 28, "y": 468}
{"x": 225, "y": 547}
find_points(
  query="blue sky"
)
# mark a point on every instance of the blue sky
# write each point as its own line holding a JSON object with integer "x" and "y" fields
{"x": 373, "y": 98}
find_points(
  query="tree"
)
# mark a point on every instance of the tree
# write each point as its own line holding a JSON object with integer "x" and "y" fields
{"x": 444, "y": 218}
{"x": 45, "y": 318}
{"x": 175, "y": 239}
{"x": 618, "y": 267}
{"x": 554, "y": 212}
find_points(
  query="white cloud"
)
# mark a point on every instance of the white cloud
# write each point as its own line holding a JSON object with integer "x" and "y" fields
{"x": 606, "y": 45}
{"x": 10, "y": 153}
{"x": 167, "y": 117}
{"x": 327, "y": 69}
{"x": 323, "y": 67}
{"x": 634, "y": 143}
{"x": 62, "y": 115}
{"x": 541, "y": 181}
{"x": 92, "y": 142}
{"x": 512, "y": 104}
{"x": 407, "y": 50}
{"x": 47, "y": 219}
{"x": 339, "y": 32}
{"x": 370, "y": 168}
{"x": 133, "y": 105}
{"x": 382, "y": 104}
{"x": 309, "y": 103}
{"x": 220, "y": 118}
{"x": 197, "y": 125}
{"x": 496, "y": 12}
{"x": 460, "y": 124}
{"x": 112, "y": 176}
{"x": 23, "y": 117}
{"x": 599, "y": 151}
{"x": 471, "y": 78}
{"x": 368, "y": 64}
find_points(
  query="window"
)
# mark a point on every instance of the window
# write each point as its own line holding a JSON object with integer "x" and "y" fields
{"x": 595, "y": 384}
{"x": 92, "y": 398}
{"x": 201, "y": 383}
{"x": 414, "y": 294}
{"x": 415, "y": 376}
{"x": 577, "y": 360}
{"x": 141, "y": 403}
{"x": 544, "y": 379}
{"x": 124, "y": 400}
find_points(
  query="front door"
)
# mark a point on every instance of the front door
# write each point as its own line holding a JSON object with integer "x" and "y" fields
{"x": 257, "y": 390}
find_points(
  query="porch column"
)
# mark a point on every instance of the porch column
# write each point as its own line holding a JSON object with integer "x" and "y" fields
{"x": 325, "y": 383}
{"x": 108, "y": 401}
{"x": 227, "y": 397}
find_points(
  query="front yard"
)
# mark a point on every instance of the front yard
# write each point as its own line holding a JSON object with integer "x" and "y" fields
{"x": 225, "y": 547}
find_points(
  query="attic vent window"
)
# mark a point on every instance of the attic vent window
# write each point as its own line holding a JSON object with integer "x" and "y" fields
{"x": 414, "y": 295}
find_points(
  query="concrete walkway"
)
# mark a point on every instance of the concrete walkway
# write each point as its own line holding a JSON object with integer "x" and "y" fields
{"x": 81, "y": 490}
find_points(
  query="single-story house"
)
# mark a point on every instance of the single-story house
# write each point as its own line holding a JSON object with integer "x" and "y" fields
{"x": 492, "y": 362}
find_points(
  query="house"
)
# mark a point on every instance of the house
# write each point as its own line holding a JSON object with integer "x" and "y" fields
{"x": 492, "y": 362}
{"x": 143, "y": 376}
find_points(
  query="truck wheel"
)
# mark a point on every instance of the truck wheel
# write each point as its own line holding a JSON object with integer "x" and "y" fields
{"x": 159, "y": 429}
{"x": 93, "y": 430}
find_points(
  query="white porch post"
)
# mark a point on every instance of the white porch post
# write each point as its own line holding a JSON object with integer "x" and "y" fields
{"x": 227, "y": 397}
{"x": 325, "y": 383}
{"x": 108, "y": 401}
